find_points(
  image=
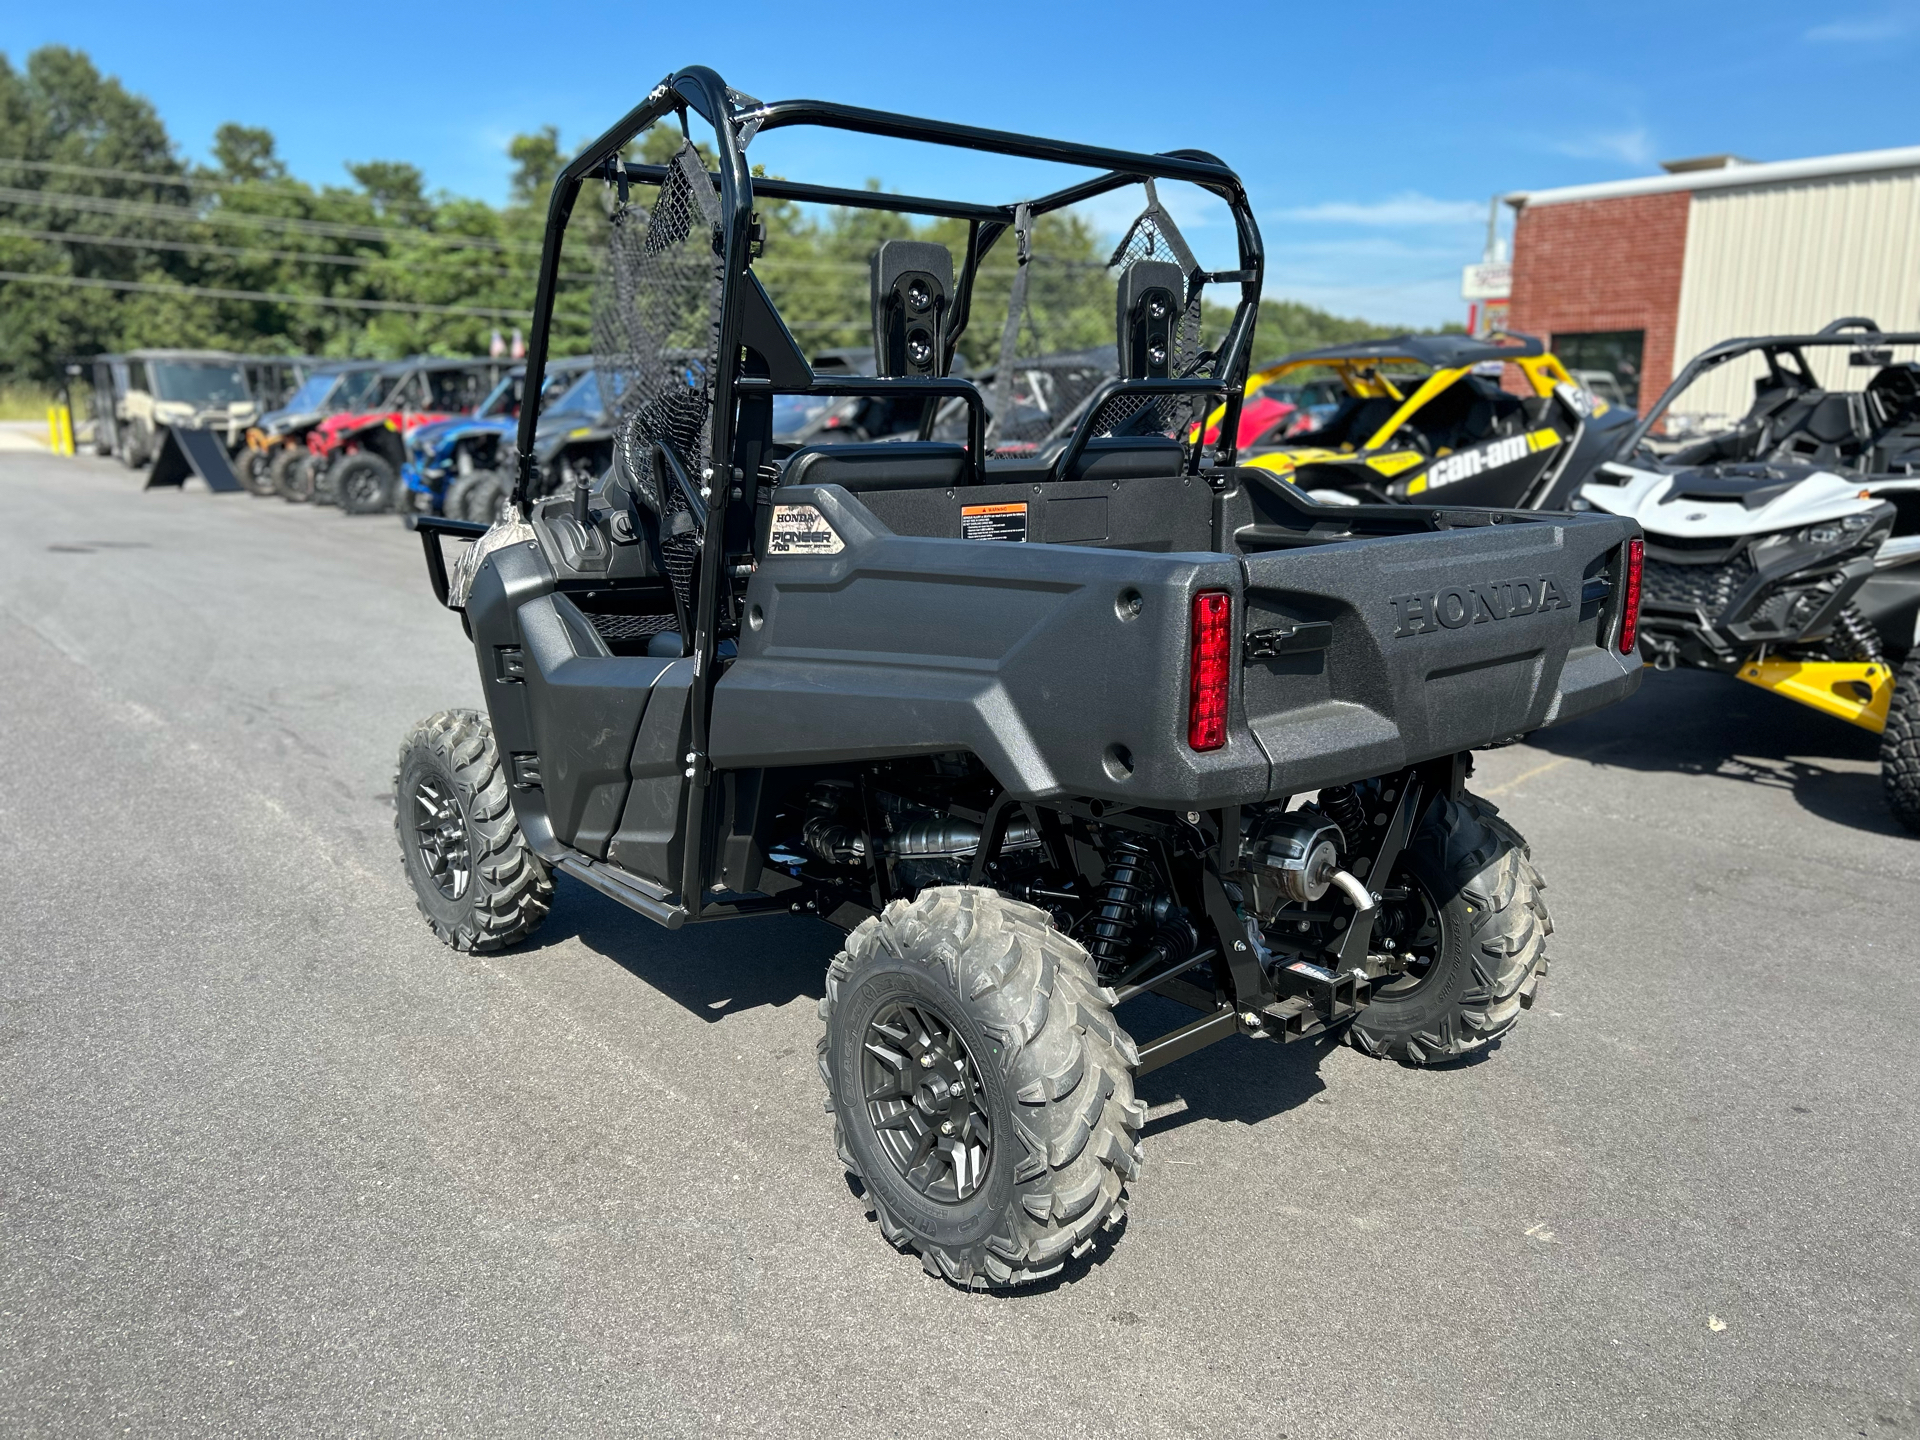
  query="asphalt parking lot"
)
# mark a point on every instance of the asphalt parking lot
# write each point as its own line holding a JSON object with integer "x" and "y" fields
{"x": 274, "y": 1161}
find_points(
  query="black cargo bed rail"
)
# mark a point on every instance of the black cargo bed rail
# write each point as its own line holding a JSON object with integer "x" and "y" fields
{"x": 1318, "y": 524}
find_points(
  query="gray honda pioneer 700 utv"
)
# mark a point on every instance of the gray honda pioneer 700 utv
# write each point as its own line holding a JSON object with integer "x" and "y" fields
{"x": 1036, "y": 730}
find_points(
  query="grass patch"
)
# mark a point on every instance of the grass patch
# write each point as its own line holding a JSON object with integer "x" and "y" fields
{"x": 30, "y": 402}
{"x": 23, "y": 402}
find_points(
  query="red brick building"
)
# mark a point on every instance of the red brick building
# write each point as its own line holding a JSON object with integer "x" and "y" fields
{"x": 1604, "y": 267}
{"x": 1637, "y": 276}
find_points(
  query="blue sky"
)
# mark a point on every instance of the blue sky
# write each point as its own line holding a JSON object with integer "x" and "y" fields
{"x": 1370, "y": 136}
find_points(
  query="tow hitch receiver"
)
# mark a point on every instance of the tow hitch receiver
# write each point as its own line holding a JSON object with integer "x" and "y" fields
{"x": 1329, "y": 998}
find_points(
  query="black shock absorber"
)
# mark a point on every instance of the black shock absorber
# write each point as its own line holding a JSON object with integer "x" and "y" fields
{"x": 1341, "y": 804}
{"x": 1857, "y": 633}
{"x": 1126, "y": 891}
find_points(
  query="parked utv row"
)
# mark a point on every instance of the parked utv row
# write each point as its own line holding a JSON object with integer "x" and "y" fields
{"x": 332, "y": 432}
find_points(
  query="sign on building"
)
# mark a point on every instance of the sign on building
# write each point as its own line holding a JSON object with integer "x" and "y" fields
{"x": 1489, "y": 280}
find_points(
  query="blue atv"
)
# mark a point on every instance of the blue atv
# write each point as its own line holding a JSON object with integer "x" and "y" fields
{"x": 574, "y": 437}
{"x": 446, "y": 459}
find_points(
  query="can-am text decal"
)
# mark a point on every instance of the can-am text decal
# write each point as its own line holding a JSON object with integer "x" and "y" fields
{"x": 1469, "y": 463}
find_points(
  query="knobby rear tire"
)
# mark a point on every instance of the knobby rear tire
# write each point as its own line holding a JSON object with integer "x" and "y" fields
{"x": 297, "y": 478}
{"x": 453, "y": 501}
{"x": 1492, "y": 956}
{"x": 325, "y": 491}
{"x": 509, "y": 888}
{"x": 364, "y": 484}
{"x": 254, "y": 468}
{"x": 1056, "y": 1078}
{"x": 135, "y": 446}
{"x": 1900, "y": 745}
{"x": 486, "y": 497}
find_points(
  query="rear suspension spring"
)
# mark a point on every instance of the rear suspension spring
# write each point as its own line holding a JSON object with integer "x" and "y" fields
{"x": 1126, "y": 891}
{"x": 1342, "y": 805}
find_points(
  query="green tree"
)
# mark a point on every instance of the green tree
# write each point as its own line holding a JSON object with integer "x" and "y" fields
{"x": 1287, "y": 326}
{"x": 397, "y": 189}
{"x": 244, "y": 224}
{"x": 60, "y": 109}
{"x": 536, "y": 161}
{"x": 246, "y": 152}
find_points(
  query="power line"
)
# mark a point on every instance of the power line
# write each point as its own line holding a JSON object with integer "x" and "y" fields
{"x": 211, "y": 292}
{"x": 187, "y": 214}
{"x": 184, "y": 180}
{"x": 249, "y": 252}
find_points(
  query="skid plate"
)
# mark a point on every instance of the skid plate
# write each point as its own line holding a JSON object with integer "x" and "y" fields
{"x": 1850, "y": 690}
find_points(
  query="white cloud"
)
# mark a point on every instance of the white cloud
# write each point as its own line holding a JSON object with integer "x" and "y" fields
{"x": 1863, "y": 31}
{"x": 1632, "y": 146}
{"x": 1407, "y": 209}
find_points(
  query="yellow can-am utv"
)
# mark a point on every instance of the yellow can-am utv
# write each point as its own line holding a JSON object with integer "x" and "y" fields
{"x": 1430, "y": 418}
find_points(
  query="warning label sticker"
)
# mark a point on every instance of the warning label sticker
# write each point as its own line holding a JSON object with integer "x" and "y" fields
{"x": 802, "y": 530}
{"x": 993, "y": 522}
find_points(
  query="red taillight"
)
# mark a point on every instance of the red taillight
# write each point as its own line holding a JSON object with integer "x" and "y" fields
{"x": 1630, "y": 615}
{"x": 1212, "y": 654}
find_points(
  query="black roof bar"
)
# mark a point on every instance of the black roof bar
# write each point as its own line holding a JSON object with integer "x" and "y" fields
{"x": 854, "y": 199}
{"x": 701, "y": 89}
{"x": 1181, "y": 165}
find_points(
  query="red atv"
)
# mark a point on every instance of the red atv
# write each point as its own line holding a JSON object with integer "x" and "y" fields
{"x": 354, "y": 458}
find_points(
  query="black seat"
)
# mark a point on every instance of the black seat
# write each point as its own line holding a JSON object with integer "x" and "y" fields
{"x": 1819, "y": 428}
{"x": 1112, "y": 457}
{"x": 894, "y": 465}
{"x": 1833, "y": 421}
{"x": 1354, "y": 423}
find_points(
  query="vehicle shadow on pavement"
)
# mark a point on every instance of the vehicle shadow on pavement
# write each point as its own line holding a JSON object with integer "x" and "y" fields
{"x": 1695, "y": 723}
{"x": 1239, "y": 1080}
{"x": 711, "y": 971}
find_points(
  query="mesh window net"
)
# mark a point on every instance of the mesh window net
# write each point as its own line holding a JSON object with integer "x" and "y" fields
{"x": 656, "y": 319}
{"x": 656, "y": 312}
{"x": 1056, "y": 346}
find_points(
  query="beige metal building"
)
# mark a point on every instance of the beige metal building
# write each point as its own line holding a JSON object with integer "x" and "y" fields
{"x": 1657, "y": 269}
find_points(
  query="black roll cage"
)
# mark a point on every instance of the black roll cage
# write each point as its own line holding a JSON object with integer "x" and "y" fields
{"x": 732, "y": 117}
{"x": 1854, "y": 330}
{"x": 700, "y": 89}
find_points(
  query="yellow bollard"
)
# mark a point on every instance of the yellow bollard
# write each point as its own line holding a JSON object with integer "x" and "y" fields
{"x": 60, "y": 429}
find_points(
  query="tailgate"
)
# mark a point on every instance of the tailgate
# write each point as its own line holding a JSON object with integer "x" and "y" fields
{"x": 1369, "y": 654}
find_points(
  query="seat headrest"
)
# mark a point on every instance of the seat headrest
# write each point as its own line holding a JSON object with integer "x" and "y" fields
{"x": 885, "y": 465}
{"x": 1111, "y": 457}
{"x": 912, "y": 286}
